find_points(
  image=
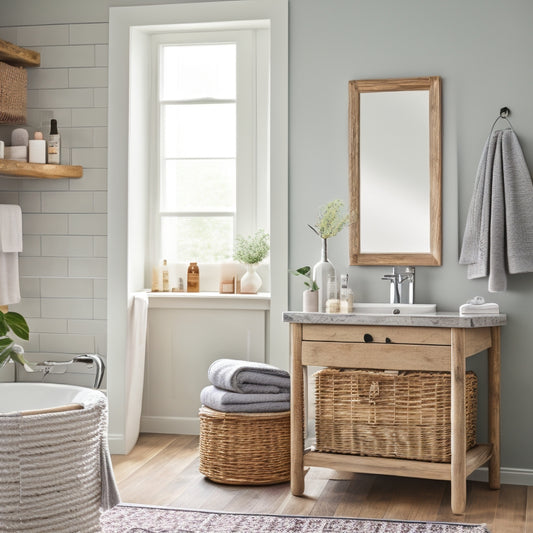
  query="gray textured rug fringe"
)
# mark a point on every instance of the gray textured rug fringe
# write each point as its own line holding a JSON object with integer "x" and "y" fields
{"x": 126, "y": 518}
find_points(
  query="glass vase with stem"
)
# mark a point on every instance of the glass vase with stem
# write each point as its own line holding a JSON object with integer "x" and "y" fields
{"x": 321, "y": 272}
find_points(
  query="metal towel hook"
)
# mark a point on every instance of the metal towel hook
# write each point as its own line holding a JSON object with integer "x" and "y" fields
{"x": 504, "y": 113}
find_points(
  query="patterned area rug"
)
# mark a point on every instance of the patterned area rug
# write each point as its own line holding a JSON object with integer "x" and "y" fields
{"x": 144, "y": 519}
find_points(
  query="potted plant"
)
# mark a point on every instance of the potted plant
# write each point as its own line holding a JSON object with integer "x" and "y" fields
{"x": 310, "y": 296}
{"x": 331, "y": 219}
{"x": 251, "y": 251}
{"x": 14, "y": 323}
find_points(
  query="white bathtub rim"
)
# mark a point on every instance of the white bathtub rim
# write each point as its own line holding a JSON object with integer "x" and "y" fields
{"x": 29, "y": 396}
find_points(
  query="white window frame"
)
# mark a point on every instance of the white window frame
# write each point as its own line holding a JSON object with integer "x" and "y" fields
{"x": 129, "y": 30}
{"x": 252, "y": 181}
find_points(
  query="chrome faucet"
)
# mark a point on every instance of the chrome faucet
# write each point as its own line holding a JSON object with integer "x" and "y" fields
{"x": 397, "y": 279}
{"x": 59, "y": 367}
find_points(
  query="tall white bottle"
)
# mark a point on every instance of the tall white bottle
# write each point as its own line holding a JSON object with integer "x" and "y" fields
{"x": 54, "y": 144}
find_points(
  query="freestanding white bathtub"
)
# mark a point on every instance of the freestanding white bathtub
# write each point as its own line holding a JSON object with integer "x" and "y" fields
{"x": 54, "y": 461}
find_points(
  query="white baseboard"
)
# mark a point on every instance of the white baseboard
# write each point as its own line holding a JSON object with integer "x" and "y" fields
{"x": 508, "y": 476}
{"x": 116, "y": 443}
{"x": 170, "y": 424}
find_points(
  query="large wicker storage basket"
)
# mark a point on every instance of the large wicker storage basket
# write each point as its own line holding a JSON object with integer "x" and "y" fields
{"x": 245, "y": 448}
{"x": 377, "y": 413}
{"x": 13, "y": 94}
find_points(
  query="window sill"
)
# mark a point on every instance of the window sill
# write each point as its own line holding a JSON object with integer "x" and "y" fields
{"x": 208, "y": 300}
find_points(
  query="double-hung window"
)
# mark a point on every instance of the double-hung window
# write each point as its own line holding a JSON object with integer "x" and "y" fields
{"x": 211, "y": 134}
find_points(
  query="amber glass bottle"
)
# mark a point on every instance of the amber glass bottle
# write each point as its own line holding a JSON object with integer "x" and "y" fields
{"x": 193, "y": 278}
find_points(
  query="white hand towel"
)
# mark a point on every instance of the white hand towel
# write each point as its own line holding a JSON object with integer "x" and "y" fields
{"x": 10, "y": 228}
{"x": 479, "y": 309}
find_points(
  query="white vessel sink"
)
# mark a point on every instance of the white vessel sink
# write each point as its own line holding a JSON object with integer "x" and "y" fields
{"x": 394, "y": 309}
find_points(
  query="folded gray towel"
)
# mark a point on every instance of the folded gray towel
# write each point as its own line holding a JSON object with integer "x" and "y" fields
{"x": 248, "y": 377}
{"x": 237, "y": 402}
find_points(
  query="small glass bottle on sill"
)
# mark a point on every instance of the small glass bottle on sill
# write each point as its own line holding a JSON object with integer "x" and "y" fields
{"x": 193, "y": 278}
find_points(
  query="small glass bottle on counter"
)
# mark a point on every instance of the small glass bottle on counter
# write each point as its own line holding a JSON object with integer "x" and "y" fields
{"x": 332, "y": 302}
{"x": 193, "y": 278}
{"x": 346, "y": 295}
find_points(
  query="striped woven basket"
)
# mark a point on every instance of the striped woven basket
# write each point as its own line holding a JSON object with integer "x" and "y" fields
{"x": 381, "y": 414}
{"x": 13, "y": 94}
{"x": 245, "y": 448}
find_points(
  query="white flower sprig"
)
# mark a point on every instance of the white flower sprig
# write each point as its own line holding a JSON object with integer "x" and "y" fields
{"x": 253, "y": 249}
{"x": 330, "y": 219}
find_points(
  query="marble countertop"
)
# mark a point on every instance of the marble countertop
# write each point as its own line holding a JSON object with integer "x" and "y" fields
{"x": 443, "y": 319}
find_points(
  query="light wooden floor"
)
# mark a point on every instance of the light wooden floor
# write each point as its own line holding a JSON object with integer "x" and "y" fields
{"x": 163, "y": 470}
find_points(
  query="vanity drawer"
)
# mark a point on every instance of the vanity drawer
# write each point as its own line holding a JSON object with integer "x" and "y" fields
{"x": 376, "y": 355}
{"x": 376, "y": 334}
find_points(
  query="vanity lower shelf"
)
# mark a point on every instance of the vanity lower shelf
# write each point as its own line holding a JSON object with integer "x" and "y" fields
{"x": 475, "y": 457}
{"x": 21, "y": 169}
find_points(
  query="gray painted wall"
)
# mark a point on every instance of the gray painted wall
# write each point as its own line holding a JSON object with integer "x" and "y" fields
{"x": 481, "y": 49}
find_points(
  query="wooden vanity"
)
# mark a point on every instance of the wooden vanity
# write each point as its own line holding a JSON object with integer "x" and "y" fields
{"x": 433, "y": 342}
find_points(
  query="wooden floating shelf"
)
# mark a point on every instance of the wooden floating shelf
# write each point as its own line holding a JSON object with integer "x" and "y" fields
{"x": 37, "y": 170}
{"x": 18, "y": 56}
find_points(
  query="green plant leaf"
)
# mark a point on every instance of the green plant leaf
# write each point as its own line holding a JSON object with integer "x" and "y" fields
{"x": 3, "y": 358}
{"x": 304, "y": 271}
{"x": 6, "y": 341}
{"x": 3, "y": 325}
{"x": 18, "y": 325}
{"x": 6, "y": 348}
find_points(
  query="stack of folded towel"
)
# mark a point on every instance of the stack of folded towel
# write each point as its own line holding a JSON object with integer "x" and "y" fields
{"x": 477, "y": 306}
{"x": 246, "y": 387}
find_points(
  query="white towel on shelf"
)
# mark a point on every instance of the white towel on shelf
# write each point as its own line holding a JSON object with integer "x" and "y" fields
{"x": 498, "y": 237}
{"x": 10, "y": 228}
{"x": 10, "y": 246}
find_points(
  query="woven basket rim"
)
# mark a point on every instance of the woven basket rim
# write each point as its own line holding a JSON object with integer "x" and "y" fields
{"x": 207, "y": 411}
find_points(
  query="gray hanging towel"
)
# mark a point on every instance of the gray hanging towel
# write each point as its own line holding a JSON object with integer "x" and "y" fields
{"x": 498, "y": 238}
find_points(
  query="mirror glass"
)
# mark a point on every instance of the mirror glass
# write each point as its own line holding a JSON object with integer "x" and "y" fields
{"x": 395, "y": 176}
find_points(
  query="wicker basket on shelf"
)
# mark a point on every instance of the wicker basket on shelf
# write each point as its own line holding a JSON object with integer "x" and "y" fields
{"x": 381, "y": 414}
{"x": 245, "y": 448}
{"x": 13, "y": 94}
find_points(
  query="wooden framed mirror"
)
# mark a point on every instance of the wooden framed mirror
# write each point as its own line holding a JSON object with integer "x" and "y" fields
{"x": 395, "y": 171}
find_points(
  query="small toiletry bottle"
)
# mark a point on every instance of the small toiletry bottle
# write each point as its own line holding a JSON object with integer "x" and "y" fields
{"x": 164, "y": 275}
{"x": 193, "y": 278}
{"x": 1, "y": 149}
{"x": 155, "y": 279}
{"x": 332, "y": 303}
{"x": 54, "y": 144}
{"x": 37, "y": 148}
{"x": 346, "y": 295}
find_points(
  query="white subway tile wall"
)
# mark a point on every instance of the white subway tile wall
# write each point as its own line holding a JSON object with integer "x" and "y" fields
{"x": 63, "y": 267}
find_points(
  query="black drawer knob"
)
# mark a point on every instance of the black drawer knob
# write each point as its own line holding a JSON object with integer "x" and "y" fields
{"x": 368, "y": 338}
{"x": 387, "y": 340}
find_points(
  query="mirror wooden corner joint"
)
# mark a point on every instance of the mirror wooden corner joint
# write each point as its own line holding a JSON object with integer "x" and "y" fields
{"x": 395, "y": 171}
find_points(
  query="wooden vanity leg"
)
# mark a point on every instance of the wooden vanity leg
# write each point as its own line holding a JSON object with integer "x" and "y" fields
{"x": 494, "y": 355}
{"x": 297, "y": 412}
{"x": 458, "y": 426}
